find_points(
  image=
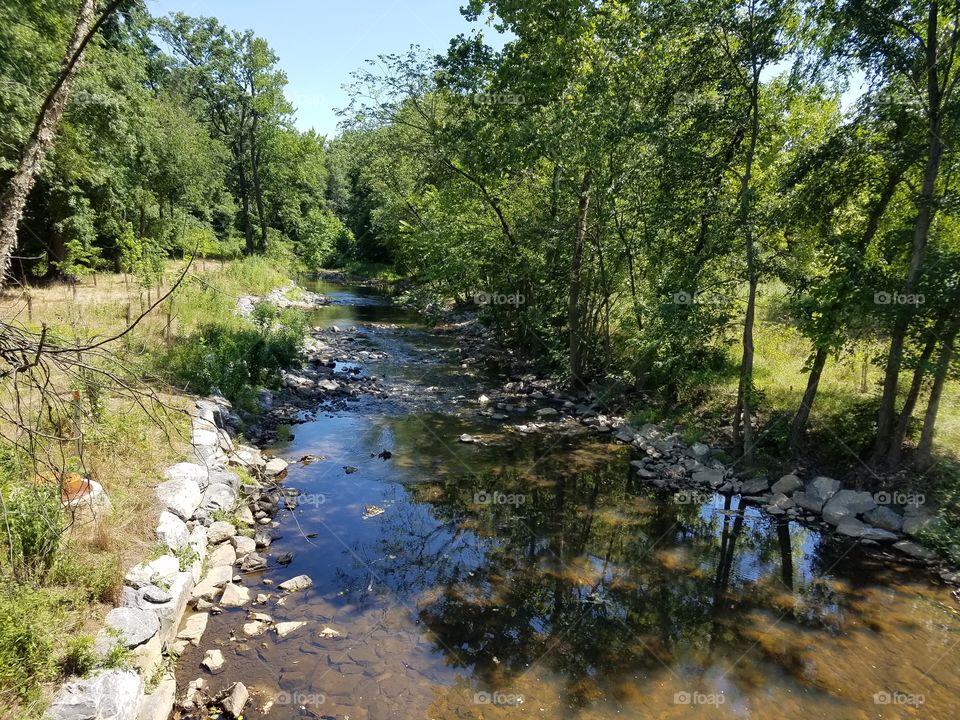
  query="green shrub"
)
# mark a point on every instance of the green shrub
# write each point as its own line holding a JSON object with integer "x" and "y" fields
{"x": 34, "y": 523}
{"x": 79, "y": 658}
{"x": 237, "y": 360}
{"x": 29, "y": 623}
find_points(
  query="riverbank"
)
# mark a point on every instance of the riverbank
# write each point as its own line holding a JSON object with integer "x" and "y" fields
{"x": 52, "y": 603}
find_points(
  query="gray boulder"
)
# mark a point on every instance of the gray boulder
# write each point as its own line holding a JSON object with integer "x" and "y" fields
{"x": 218, "y": 497}
{"x": 787, "y": 485}
{"x": 172, "y": 531}
{"x": 108, "y": 695}
{"x": 181, "y": 497}
{"x": 253, "y": 562}
{"x": 713, "y": 478}
{"x": 847, "y": 503}
{"x": 884, "y": 517}
{"x": 911, "y": 548}
{"x": 134, "y": 626}
{"x": 816, "y": 493}
{"x": 754, "y": 486}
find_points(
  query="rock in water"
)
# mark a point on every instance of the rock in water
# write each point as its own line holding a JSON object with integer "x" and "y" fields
{"x": 300, "y": 582}
{"x": 253, "y": 562}
{"x": 370, "y": 511}
{"x": 275, "y": 467}
{"x": 235, "y": 596}
{"x": 235, "y": 699}
{"x": 213, "y": 660}
{"x": 285, "y": 628}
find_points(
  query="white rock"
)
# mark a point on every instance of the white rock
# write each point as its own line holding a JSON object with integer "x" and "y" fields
{"x": 328, "y": 632}
{"x": 285, "y": 628}
{"x": 244, "y": 545}
{"x": 134, "y": 626}
{"x": 107, "y": 695}
{"x": 235, "y": 700}
{"x": 235, "y": 596}
{"x": 254, "y": 628}
{"x": 216, "y": 578}
{"x": 172, "y": 531}
{"x": 219, "y": 496}
{"x": 300, "y": 582}
{"x": 220, "y": 531}
{"x": 181, "y": 497}
{"x": 187, "y": 471}
{"x": 213, "y": 660}
{"x": 163, "y": 570}
{"x": 223, "y": 554}
{"x": 194, "y": 628}
{"x": 275, "y": 467}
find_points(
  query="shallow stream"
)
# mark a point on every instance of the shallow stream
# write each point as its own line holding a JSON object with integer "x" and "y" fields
{"x": 533, "y": 576}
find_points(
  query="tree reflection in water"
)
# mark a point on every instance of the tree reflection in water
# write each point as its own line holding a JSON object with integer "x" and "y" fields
{"x": 592, "y": 577}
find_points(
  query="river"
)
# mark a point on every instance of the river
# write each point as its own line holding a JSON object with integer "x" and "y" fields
{"x": 531, "y": 576}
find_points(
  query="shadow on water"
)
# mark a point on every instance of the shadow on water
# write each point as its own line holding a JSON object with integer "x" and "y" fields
{"x": 532, "y": 576}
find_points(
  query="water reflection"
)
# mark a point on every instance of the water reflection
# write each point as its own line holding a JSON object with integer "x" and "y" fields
{"x": 538, "y": 568}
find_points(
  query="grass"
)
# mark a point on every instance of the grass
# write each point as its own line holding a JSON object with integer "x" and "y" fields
{"x": 47, "y": 618}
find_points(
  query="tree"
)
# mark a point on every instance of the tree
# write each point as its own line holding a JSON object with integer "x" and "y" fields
{"x": 14, "y": 198}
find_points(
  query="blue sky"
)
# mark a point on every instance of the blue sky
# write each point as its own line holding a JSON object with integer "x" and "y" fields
{"x": 320, "y": 42}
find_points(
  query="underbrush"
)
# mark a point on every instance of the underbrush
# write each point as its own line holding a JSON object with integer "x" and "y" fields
{"x": 237, "y": 360}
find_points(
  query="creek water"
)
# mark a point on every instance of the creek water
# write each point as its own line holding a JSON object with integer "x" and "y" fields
{"x": 532, "y": 576}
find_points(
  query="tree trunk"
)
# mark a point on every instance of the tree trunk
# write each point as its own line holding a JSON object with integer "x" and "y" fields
{"x": 900, "y": 434}
{"x": 743, "y": 428}
{"x": 14, "y": 197}
{"x": 925, "y": 213}
{"x": 250, "y": 248}
{"x": 924, "y": 457}
{"x": 798, "y": 427}
{"x": 576, "y": 269}
{"x": 257, "y": 193}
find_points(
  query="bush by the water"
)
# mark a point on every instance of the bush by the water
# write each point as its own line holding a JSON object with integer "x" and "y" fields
{"x": 237, "y": 360}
